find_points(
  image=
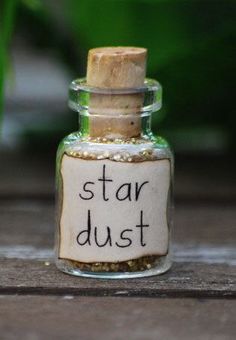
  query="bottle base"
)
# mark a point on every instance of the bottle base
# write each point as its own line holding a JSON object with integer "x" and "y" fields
{"x": 162, "y": 266}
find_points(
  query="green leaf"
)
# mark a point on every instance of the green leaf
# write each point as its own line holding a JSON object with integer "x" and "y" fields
{"x": 6, "y": 28}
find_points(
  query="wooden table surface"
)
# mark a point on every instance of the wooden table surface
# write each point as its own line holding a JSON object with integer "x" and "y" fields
{"x": 194, "y": 300}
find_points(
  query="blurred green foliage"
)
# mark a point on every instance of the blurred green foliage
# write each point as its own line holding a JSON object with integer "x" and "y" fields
{"x": 191, "y": 51}
{"x": 190, "y": 44}
{"x": 7, "y": 10}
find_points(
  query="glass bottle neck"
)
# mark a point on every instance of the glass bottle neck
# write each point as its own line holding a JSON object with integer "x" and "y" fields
{"x": 122, "y": 113}
{"x": 113, "y": 127}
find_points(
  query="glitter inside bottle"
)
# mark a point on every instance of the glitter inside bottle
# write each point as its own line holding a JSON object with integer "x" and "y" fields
{"x": 114, "y": 181}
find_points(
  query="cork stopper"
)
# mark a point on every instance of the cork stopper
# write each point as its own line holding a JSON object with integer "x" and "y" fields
{"x": 116, "y": 115}
{"x": 116, "y": 67}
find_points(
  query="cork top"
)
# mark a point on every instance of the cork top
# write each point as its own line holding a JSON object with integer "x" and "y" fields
{"x": 117, "y": 94}
{"x": 116, "y": 67}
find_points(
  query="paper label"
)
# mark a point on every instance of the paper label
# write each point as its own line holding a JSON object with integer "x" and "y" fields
{"x": 113, "y": 211}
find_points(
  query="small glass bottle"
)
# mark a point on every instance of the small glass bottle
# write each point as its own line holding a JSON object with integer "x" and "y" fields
{"x": 114, "y": 184}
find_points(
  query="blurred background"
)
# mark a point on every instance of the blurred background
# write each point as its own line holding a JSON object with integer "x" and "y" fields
{"x": 191, "y": 44}
{"x": 43, "y": 46}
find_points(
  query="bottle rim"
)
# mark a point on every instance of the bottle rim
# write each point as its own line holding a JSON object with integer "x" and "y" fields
{"x": 80, "y": 92}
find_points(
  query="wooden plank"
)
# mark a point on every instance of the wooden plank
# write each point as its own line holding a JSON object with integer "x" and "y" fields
{"x": 31, "y": 223}
{"x": 205, "y": 255}
{"x": 184, "y": 280}
{"x": 27, "y": 223}
{"x": 205, "y": 178}
{"x": 26, "y": 175}
{"x": 70, "y": 317}
{"x": 196, "y": 177}
{"x": 205, "y": 224}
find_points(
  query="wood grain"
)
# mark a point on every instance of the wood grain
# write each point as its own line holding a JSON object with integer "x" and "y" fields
{"x": 184, "y": 280}
{"x": 70, "y": 317}
{"x": 197, "y": 179}
{"x": 204, "y": 254}
{"x": 204, "y": 237}
{"x": 31, "y": 222}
